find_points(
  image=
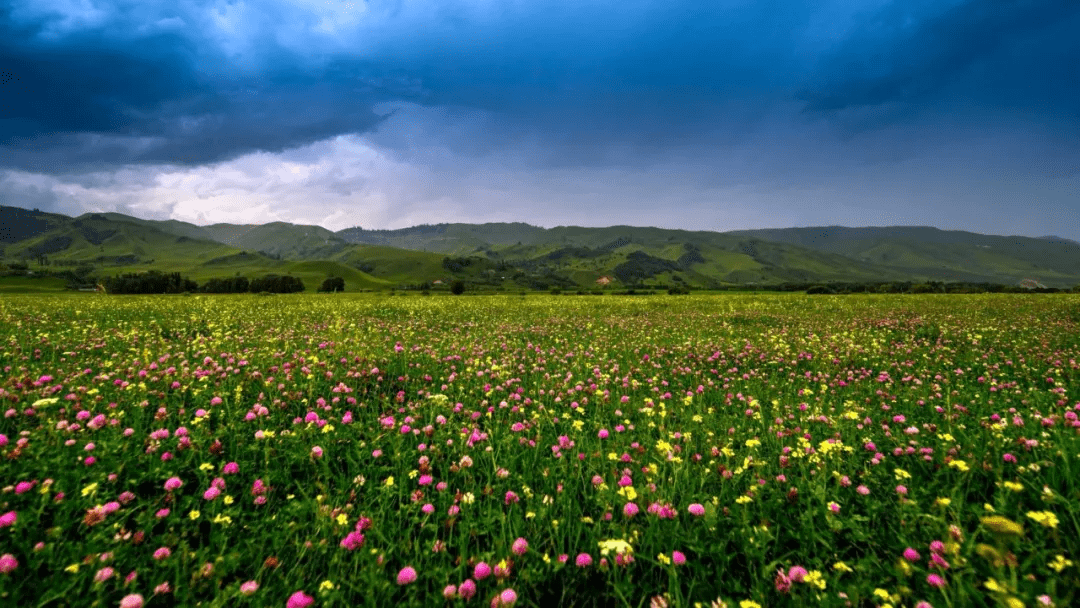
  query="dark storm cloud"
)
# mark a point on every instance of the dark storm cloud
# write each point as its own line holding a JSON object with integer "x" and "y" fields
{"x": 94, "y": 99}
{"x": 591, "y": 83}
{"x": 757, "y": 112}
{"x": 91, "y": 84}
{"x": 1013, "y": 59}
{"x": 615, "y": 82}
{"x": 584, "y": 76}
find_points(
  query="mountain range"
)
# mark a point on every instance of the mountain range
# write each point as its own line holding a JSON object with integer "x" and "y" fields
{"x": 522, "y": 256}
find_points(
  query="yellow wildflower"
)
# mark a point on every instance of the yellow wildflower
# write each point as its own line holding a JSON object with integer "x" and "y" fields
{"x": 1046, "y": 518}
{"x": 815, "y": 578}
{"x": 1060, "y": 563}
{"x": 959, "y": 465}
{"x": 620, "y": 547}
{"x": 1002, "y": 525}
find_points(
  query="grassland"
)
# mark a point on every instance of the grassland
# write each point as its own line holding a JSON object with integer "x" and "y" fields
{"x": 518, "y": 256}
{"x": 539, "y": 451}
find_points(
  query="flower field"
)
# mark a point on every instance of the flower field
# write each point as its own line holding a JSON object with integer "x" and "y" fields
{"x": 540, "y": 451}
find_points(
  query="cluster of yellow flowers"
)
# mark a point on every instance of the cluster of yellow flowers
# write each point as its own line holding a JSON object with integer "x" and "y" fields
{"x": 1046, "y": 518}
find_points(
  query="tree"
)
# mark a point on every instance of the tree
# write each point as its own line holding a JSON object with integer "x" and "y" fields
{"x": 332, "y": 284}
{"x": 457, "y": 288}
{"x": 273, "y": 283}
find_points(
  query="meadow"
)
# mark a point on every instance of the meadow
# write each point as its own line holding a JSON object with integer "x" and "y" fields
{"x": 736, "y": 450}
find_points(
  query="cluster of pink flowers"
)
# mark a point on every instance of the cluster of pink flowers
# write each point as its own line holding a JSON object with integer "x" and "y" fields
{"x": 662, "y": 510}
{"x": 795, "y": 574}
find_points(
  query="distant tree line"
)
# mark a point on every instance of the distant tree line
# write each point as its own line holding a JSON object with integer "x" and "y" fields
{"x": 909, "y": 287}
{"x": 154, "y": 282}
{"x": 226, "y": 285}
{"x": 456, "y": 264}
{"x": 274, "y": 283}
{"x": 332, "y": 285}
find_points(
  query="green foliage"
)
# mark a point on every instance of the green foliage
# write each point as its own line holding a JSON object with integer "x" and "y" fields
{"x": 152, "y": 282}
{"x": 332, "y": 284}
{"x": 226, "y": 285}
{"x": 273, "y": 283}
{"x": 755, "y": 434}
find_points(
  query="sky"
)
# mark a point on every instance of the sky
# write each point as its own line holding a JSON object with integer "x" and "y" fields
{"x": 697, "y": 114}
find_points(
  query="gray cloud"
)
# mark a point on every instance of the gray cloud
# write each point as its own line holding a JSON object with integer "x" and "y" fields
{"x": 723, "y": 113}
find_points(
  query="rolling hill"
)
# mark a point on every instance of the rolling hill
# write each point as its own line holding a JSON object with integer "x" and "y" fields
{"x": 518, "y": 255}
{"x": 948, "y": 255}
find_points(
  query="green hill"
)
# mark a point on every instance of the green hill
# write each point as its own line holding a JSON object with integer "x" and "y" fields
{"x": 280, "y": 239}
{"x": 97, "y": 239}
{"x": 513, "y": 256}
{"x": 174, "y": 227}
{"x": 949, "y": 255}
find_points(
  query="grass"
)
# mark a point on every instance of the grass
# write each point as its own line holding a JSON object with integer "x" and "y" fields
{"x": 16, "y": 284}
{"x": 777, "y": 450}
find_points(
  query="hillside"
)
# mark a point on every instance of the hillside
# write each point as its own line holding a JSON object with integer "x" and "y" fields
{"x": 949, "y": 255}
{"x": 116, "y": 244}
{"x": 280, "y": 239}
{"x": 521, "y": 256}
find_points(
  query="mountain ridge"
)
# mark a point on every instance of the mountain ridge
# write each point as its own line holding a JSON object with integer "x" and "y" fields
{"x": 505, "y": 255}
